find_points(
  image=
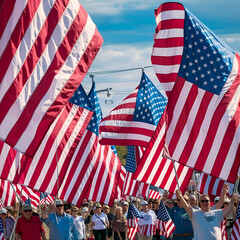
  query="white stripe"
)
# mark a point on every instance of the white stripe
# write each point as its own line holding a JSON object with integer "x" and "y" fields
{"x": 14, "y": 167}
{"x": 182, "y": 176}
{"x": 181, "y": 143}
{"x": 25, "y": 45}
{"x": 215, "y": 186}
{"x": 208, "y": 116}
{"x": 58, "y": 82}
{"x": 167, "y": 86}
{"x": 172, "y": 176}
{"x": 126, "y": 136}
{"x": 166, "y": 69}
{"x": 129, "y": 111}
{"x": 170, "y": 33}
{"x": 207, "y": 183}
{"x": 167, "y": 52}
{"x": 171, "y": 14}
{"x": 17, "y": 11}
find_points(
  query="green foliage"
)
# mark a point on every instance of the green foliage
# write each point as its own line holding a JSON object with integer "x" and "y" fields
{"x": 122, "y": 154}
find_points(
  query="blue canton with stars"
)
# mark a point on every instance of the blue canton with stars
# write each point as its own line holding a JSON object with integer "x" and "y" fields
{"x": 1, "y": 227}
{"x": 150, "y": 103}
{"x": 80, "y": 98}
{"x": 133, "y": 212}
{"x": 162, "y": 212}
{"x": 206, "y": 61}
{"x": 238, "y": 212}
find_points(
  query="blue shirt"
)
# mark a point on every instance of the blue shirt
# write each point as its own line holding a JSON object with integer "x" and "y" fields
{"x": 61, "y": 227}
{"x": 181, "y": 221}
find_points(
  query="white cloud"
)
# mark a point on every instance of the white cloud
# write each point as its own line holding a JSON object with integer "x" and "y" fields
{"x": 233, "y": 40}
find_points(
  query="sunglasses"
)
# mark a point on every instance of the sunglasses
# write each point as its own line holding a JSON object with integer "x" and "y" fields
{"x": 61, "y": 205}
{"x": 27, "y": 210}
{"x": 202, "y": 201}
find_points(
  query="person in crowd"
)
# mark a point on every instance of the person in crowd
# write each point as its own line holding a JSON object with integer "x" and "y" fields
{"x": 182, "y": 222}
{"x": 125, "y": 208}
{"x": 100, "y": 223}
{"x": 119, "y": 225}
{"x": 68, "y": 211}
{"x": 156, "y": 204}
{"x": 170, "y": 203}
{"x": 150, "y": 204}
{"x": 29, "y": 226}
{"x": 8, "y": 222}
{"x": 193, "y": 201}
{"x": 106, "y": 210}
{"x": 79, "y": 224}
{"x": 147, "y": 227}
{"x": 60, "y": 224}
{"x": 206, "y": 222}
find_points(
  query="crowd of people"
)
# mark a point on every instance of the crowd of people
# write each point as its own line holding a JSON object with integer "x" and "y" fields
{"x": 193, "y": 215}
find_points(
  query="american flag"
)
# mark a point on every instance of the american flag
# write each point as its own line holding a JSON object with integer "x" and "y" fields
{"x": 212, "y": 185}
{"x": 158, "y": 171}
{"x": 46, "y": 49}
{"x": 154, "y": 193}
{"x": 133, "y": 216}
{"x": 48, "y": 167}
{"x": 7, "y": 193}
{"x": 46, "y": 198}
{"x": 94, "y": 169}
{"x": 201, "y": 76}
{"x": 1, "y": 230}
{"x": 27, "y": 193}
{"x": 235, "y": 235}
{"x": 134, "y": 120}
{"x": 1, "y": 203}
{"x": 223, "y": 228}
{"x": 164, "y": 222}
{"x": 119, "y": 191}
{"x": 132, "y": 187}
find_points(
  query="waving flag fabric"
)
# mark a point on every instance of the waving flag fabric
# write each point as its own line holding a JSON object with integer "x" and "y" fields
{"x": 94, "y": 169}
{"x": 236, "y": 226}
{"x": 164, "y": 222}
{"x": 134, "y": 120}
{"x": 46, "y": 198}
{"x": 212, "y": 185}
{"x": 154, "y": 192}
{"x": 46, "y": 48}
{"x": 49, "y": 165}
{"x": 159, "y": 171}
{"x": 202, "y": 79}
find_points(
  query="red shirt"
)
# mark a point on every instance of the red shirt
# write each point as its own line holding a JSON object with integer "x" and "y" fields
{"x": 29, "y": 229}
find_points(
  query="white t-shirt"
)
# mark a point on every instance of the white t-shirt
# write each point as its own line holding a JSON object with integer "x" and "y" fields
{"x": 148, "y": 218}
{"x": 98, "y": 223}
{"x": 80, "y": 226}
{"x": 206, "y": 225}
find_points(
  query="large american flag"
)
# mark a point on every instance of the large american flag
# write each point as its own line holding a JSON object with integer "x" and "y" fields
{"x": 48, "y": 167}
{"x": 134, "y": 120}
{"x": 212, "y": 185}
{"x": 94, "y": 169}
{"x": 46, "y": 48}
{"x": 235, "y": 235}
{"x": 164, "y": 222}
{"x": 200, "y": 74}
{"x": 133, "y": 216}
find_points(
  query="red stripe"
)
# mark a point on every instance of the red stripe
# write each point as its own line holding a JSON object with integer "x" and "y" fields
{"x": 1, "y": 146}
{"x": 203, "y": 183}
{"x": 17, "y": 35}
{"x": 170, "y": 24}
{"x": 234, "y": 166}
{"x": 169, "y": 42}
{"x": 168, "y": 60}
{"x": 6, "y": 10}
{"x": 119, "y": 117}
{"x": 68, "y": 90}
{"x": 123, "y": 142}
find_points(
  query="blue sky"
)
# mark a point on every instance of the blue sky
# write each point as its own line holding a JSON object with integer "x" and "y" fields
{"x": 127, "y": 27}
